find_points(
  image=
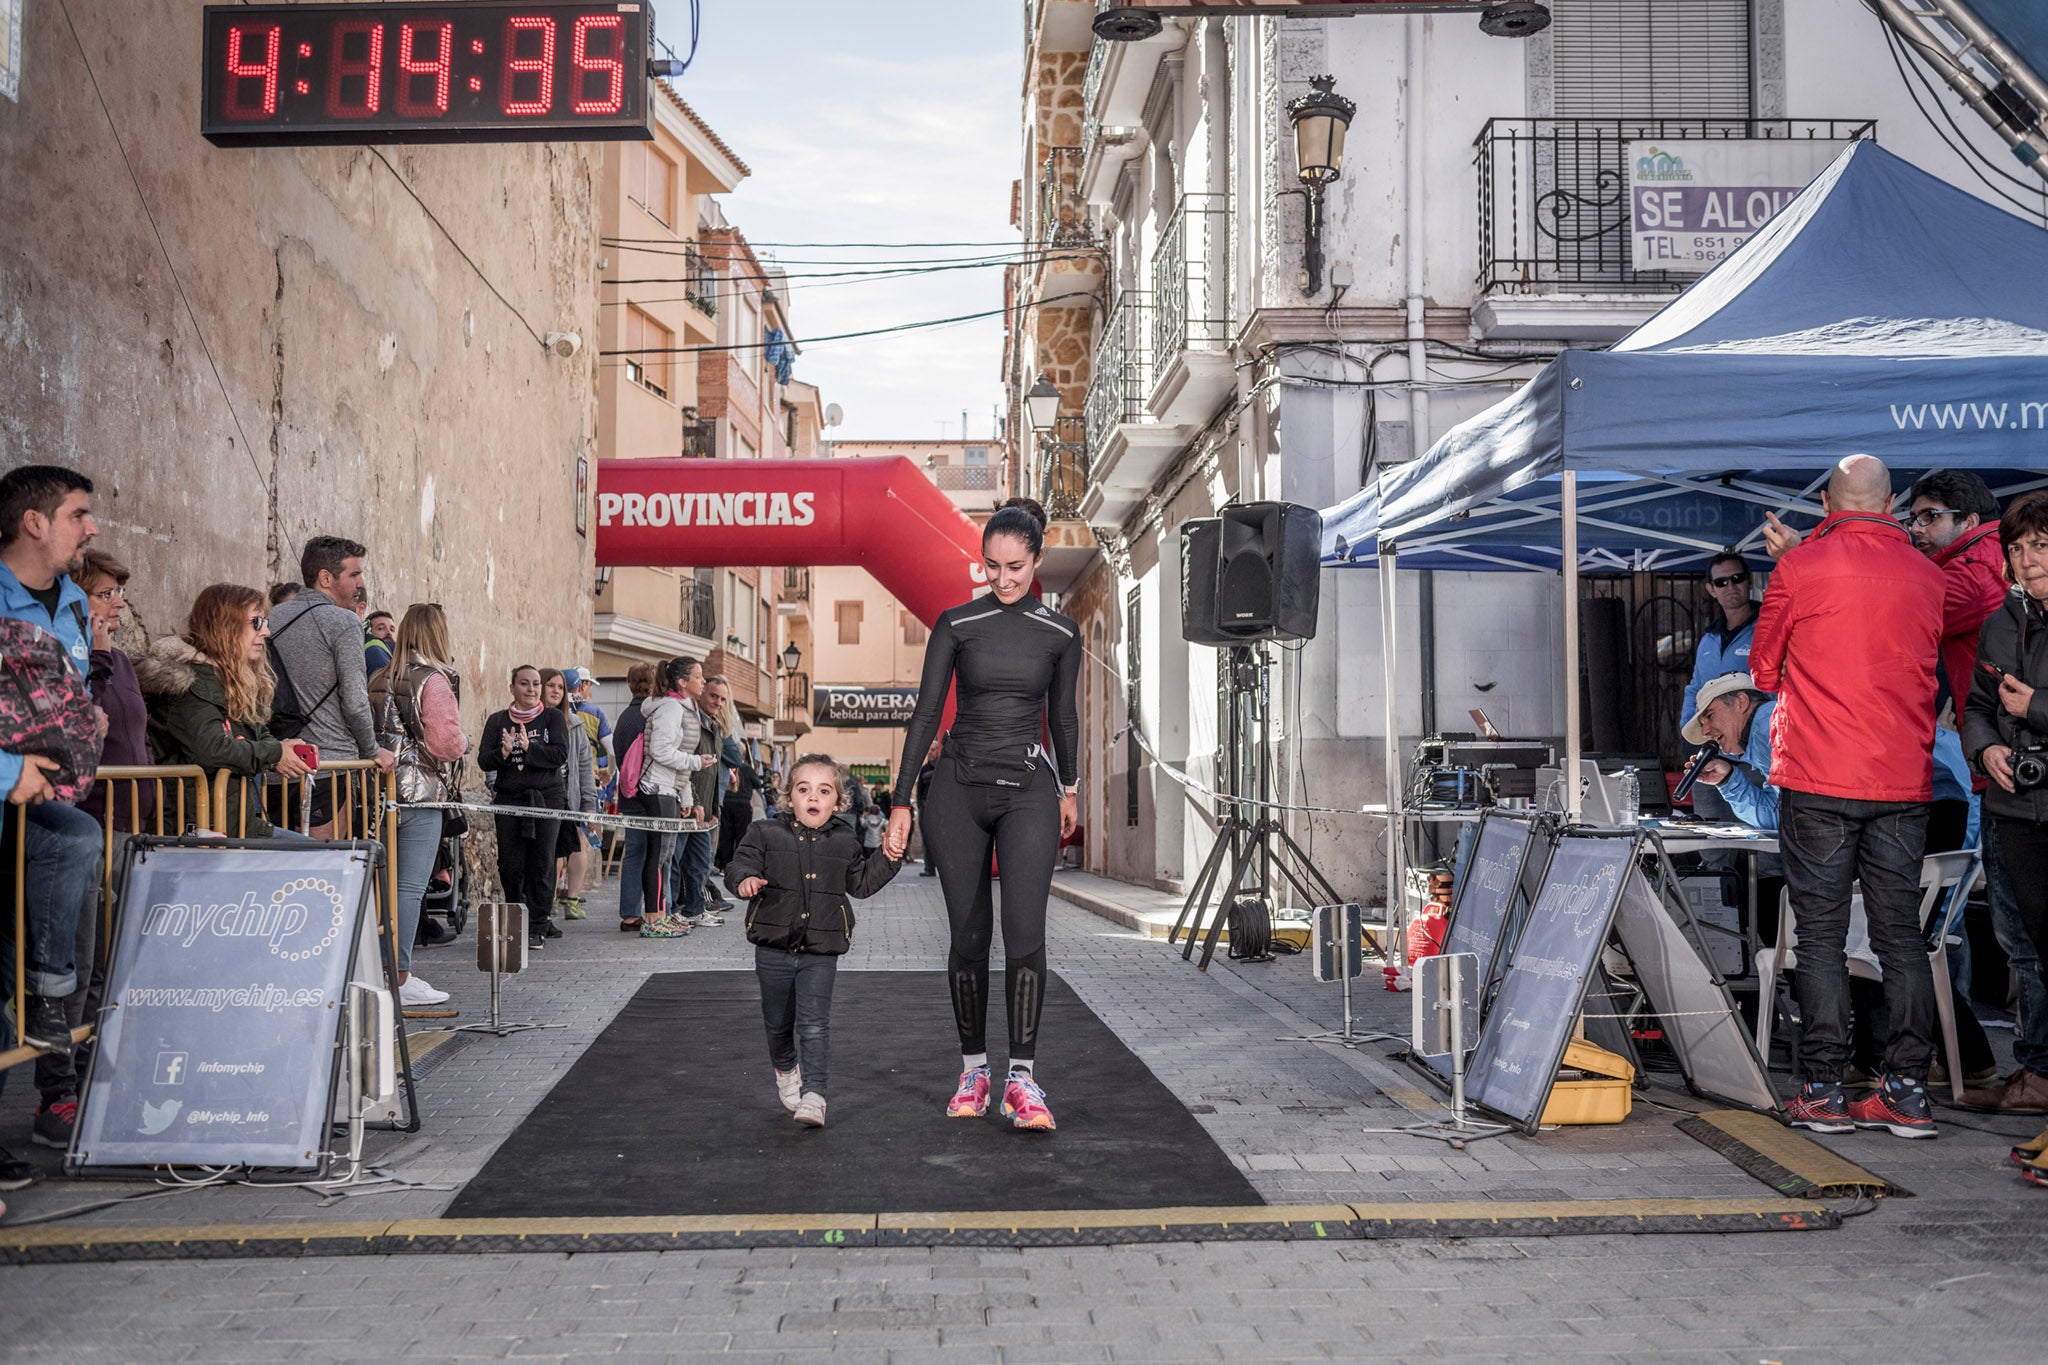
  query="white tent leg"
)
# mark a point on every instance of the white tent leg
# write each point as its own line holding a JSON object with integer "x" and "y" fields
{"x": 1574, "y": 801}
{"x": 1397, "y": 833}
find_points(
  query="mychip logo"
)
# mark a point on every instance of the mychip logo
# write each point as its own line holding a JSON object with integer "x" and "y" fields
{"x": 303, "y": 906}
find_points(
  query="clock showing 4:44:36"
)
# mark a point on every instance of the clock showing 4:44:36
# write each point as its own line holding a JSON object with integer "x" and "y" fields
{"x": 284, "y": 75}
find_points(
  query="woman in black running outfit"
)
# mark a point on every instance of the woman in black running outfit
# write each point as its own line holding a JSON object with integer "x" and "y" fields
{"x": 997, "y": 790}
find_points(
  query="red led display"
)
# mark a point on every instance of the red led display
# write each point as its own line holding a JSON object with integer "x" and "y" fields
{"x": 487, "y": 70}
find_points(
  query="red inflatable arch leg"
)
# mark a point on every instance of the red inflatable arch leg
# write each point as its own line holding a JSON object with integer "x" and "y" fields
{"x": 883, "y": 515}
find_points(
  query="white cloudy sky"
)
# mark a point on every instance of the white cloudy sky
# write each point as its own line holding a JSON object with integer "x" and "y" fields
{"x": 873, "y": 121}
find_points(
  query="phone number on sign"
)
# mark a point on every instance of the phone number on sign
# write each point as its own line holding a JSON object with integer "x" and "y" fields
{"x": 1652, "y": 248}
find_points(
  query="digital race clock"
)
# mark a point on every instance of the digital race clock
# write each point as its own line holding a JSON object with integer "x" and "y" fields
{"x": 284, "y": 75}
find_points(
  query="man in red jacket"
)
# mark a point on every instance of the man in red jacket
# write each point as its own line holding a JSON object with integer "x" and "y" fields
{"x": 1848, "y": 639}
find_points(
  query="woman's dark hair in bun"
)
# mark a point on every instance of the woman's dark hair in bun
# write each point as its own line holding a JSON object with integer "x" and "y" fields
{"x": 1019, "y": 517}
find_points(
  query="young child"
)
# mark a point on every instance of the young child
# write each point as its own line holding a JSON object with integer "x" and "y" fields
{"x": 797, "y": 869}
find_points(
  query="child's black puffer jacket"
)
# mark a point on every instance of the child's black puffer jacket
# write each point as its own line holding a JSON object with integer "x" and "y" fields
{"x": 810, "y": 873}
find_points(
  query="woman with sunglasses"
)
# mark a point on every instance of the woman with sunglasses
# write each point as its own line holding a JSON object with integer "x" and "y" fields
{"x": 208, "y": 693}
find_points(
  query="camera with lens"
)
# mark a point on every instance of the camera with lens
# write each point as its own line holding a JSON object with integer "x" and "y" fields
{"x": 2029, "y": 767}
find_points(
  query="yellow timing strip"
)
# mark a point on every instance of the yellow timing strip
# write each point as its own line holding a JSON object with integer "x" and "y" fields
{"x": 832, "y": 1229}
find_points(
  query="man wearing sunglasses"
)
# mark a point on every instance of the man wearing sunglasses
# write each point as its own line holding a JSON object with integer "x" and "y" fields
{"x": 1953, "y": 519}
{"x": 1723, "y": 649}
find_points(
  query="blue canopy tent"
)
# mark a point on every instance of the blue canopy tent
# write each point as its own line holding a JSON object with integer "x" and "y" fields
{"x": 1882, "y": 310}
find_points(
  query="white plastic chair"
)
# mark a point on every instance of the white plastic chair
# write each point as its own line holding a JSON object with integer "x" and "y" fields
{"x": 1945, "y": 880}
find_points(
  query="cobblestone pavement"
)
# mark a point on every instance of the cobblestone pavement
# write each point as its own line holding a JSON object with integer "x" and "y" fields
{"x": 1958, "y": 1266}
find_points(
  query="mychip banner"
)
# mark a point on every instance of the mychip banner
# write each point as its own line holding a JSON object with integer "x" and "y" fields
{"x": 1692, "y": 203}
{"x": 225, "y": 1001}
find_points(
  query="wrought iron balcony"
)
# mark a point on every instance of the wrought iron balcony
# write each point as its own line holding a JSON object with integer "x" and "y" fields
{"x": 1189, "y": 275}
{"x": 1062, "y": 210}
{"x": 1091, "y": 86}
{"x": 793, "y": 701}
{"x": 967, "y": 478}
{"x": 700, "y": 439}
{"x": 699, "y": 616}
{"x": 1122, "y": 374}
{"x": 1063, "y": 468}
{"x": 1553, "y": 197}
{"x": 796, "y": 585}
{"x": 700, "y": 282}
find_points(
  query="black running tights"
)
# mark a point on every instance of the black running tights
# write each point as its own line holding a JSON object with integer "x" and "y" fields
{"x": 963, "y": 827}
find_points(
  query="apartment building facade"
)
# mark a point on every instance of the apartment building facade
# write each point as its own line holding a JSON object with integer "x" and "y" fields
{"x": 679, "y": 276}
{"x": 1478, "y": 228}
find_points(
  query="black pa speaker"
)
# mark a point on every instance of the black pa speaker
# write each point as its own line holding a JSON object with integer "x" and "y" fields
{"x": 1199, "y": 541}
{"x": 1268, "y": 571}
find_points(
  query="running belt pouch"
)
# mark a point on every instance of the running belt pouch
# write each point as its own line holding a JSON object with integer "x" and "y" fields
{"x": 45, "y": 708}
{"x": 1011, "y": 772}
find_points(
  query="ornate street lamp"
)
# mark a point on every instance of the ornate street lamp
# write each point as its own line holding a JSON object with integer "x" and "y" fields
{"x": 791, "y": 658}
{"x": 1320, "y": 119}
{"x": 1042, "y": 406}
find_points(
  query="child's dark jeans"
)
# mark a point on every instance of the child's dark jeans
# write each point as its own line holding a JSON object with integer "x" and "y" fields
{"x": 796, "y": 1005}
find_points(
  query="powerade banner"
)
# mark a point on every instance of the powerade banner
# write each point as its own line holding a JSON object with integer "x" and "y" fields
{"x": 1692, "y": 203}
{"x": 858, "y": 708}
{"x": 224, "y": 1003}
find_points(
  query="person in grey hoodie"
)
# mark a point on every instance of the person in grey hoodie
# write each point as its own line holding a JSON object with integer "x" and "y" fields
{"x": 319, "y": 640}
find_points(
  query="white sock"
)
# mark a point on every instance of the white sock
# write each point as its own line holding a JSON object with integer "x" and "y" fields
{"x": 1022, "y": 1064}
{"x": 968, "y": 1063}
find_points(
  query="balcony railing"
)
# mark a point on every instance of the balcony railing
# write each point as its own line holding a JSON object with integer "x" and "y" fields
{"x": 793, "y": 704}
{"x": 700, "y": 282}
{"x": 1091, "y": 86}
{"x": 700, "y": 608}
{"x": 1188, "y": 278}
{"x": 1553, "y": 196}
{"x": 1063, "y": 468}
{"x": 1122, "y": 371}
{"x": 796, "y": 585}
{"x": 1062, "y": 210}
{"x": 967, "y": 478}
{"x": 700, "y": 439}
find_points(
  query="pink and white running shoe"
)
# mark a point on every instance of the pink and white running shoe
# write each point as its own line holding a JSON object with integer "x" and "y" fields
{"x": 1024, "y": 1103}
{"x": 970, "y": 1101}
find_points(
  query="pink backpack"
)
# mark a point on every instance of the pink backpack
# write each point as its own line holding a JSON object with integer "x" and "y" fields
{"x": 46, "y": 708}
{"x": 630, "y": 764}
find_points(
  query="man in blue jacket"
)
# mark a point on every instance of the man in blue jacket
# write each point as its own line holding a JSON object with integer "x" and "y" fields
{"x": 45, "y": 524}
{"x": 1723, "y": 648}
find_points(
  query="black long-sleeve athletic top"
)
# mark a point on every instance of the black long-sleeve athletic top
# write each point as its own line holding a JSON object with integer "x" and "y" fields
{"x": 1017, "y": 667}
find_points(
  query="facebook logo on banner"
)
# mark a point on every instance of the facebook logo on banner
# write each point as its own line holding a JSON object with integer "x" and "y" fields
{"x": 170, "y": 1068}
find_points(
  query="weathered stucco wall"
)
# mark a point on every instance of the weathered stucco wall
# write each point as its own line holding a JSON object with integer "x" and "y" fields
{"x": 383, "y": 391}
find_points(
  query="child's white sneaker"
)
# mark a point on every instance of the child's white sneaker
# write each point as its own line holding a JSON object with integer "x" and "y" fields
{"x": 810, "y": 1111}
{"x": 789, "y": 1085}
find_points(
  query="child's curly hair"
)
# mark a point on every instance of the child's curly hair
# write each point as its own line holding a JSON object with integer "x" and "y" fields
{"x": 841, "y": 778}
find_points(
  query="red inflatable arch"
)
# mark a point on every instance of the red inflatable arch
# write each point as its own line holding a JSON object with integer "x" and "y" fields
{"x": 883, "y": 515}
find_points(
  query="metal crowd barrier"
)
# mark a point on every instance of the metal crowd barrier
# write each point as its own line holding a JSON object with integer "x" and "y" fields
{"x": 180, "y": 800}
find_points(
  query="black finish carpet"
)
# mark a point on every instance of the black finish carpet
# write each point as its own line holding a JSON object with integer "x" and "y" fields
{"x": 672, "y": 1111}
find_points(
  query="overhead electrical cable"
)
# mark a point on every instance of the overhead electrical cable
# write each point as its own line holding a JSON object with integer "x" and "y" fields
{"x": 840, "y": 336}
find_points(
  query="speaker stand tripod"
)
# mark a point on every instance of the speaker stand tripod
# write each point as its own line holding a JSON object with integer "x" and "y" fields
{"x": 1249, "y": 838}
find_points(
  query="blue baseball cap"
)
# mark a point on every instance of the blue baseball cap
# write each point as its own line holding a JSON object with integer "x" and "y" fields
{"x": 576, "y": 677}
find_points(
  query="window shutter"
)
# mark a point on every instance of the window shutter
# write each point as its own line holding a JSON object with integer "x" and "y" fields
{"x": 1669, "y": 59}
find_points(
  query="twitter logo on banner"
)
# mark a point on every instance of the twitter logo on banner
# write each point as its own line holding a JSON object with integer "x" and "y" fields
{"x": 157, "y": 1117}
